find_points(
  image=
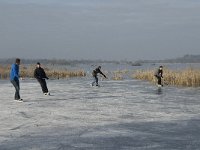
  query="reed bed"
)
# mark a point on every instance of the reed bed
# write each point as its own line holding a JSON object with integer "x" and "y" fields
{"x": 65, "y": 73}
{"x": 119, "y": 74}
{"x": 189, "y": 77}
{"x": 4, "y": 72}
{"x": 28, "y": 72}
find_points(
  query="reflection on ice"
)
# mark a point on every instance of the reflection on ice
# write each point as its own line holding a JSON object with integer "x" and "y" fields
{"x": 159, "y": 91}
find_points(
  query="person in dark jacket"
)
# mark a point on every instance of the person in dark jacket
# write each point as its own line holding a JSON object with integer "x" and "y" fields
{"x": 14, "y": 78}
{"x": 40, "y": 75}
{"x": 159, "y": 75}
{"x": 94, "y": 74}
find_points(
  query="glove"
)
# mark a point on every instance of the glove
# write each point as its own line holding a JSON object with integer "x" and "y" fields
{"x": 47, "y": 78}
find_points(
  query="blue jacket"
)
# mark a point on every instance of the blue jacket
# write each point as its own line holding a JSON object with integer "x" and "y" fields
{"x": 14, "y": 72}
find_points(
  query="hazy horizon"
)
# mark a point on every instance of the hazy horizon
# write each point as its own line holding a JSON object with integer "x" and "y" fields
{"x": 99, "y": 29}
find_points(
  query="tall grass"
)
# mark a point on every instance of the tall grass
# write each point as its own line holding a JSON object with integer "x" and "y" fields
{"x": 28, "y": 72}
{"x": 4, "y": 72}
{"x": 119, "y": 74}
{"x": 188, "y": 77}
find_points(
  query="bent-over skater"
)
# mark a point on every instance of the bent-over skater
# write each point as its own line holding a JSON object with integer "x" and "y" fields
{"x": 94, "y": 74}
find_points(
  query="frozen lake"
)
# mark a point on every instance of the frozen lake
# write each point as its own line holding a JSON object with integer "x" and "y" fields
{"x": 119, "y": 115}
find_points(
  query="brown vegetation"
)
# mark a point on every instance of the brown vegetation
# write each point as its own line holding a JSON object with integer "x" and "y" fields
{"x": 27, "y": 72}
{"x": 189, "y": 77}
{"x": 119, "y": 75}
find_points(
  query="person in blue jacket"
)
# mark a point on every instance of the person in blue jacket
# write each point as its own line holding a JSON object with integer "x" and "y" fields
{"x": 14, "y": 78}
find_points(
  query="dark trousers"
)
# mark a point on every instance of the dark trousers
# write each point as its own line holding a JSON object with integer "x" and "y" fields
{"x": 43, "y": 85}
{"x": 95, "y": 80}
{"x": 17, "y": 88}
{"x": 159, "y": 80}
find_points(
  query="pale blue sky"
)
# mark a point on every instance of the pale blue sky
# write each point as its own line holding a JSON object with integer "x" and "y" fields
{"x": 99, "y": 29}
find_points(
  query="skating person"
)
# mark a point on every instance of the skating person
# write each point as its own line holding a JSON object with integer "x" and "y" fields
{"x": 40, "y": 75}
{"x": 94, "y": 73}
{"x": 14, "y": 79}
{"x": 159, "y": 75}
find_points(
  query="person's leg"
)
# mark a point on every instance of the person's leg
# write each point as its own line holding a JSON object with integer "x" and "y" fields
{"x": 43, "y": 85}
{"x": 96, "y": 80}
{"x": 45, "y": 89}
{"x": 40, "y": 82}
{"x": 17, "y": 88}
{"x": 159, "y": 81}
{"x": 93, "y": 81}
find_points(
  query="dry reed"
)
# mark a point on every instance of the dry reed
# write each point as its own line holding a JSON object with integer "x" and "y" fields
{"x": 188, "y": 77}
{"x": 119, "y": 74}
{"x": 28, "y": 72}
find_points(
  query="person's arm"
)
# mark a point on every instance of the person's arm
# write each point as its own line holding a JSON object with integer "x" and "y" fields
{"x": 45, "y": 76}
{"x": 16, "y": 72}
{"x": 102, "y": 74}
{"x": 161, "y": 73}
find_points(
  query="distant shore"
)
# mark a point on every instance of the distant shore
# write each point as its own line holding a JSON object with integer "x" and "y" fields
{"x": 185, "y": 77}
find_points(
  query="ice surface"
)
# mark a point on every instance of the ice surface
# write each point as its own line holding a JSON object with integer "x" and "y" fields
{"x": 125, "y": 115}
